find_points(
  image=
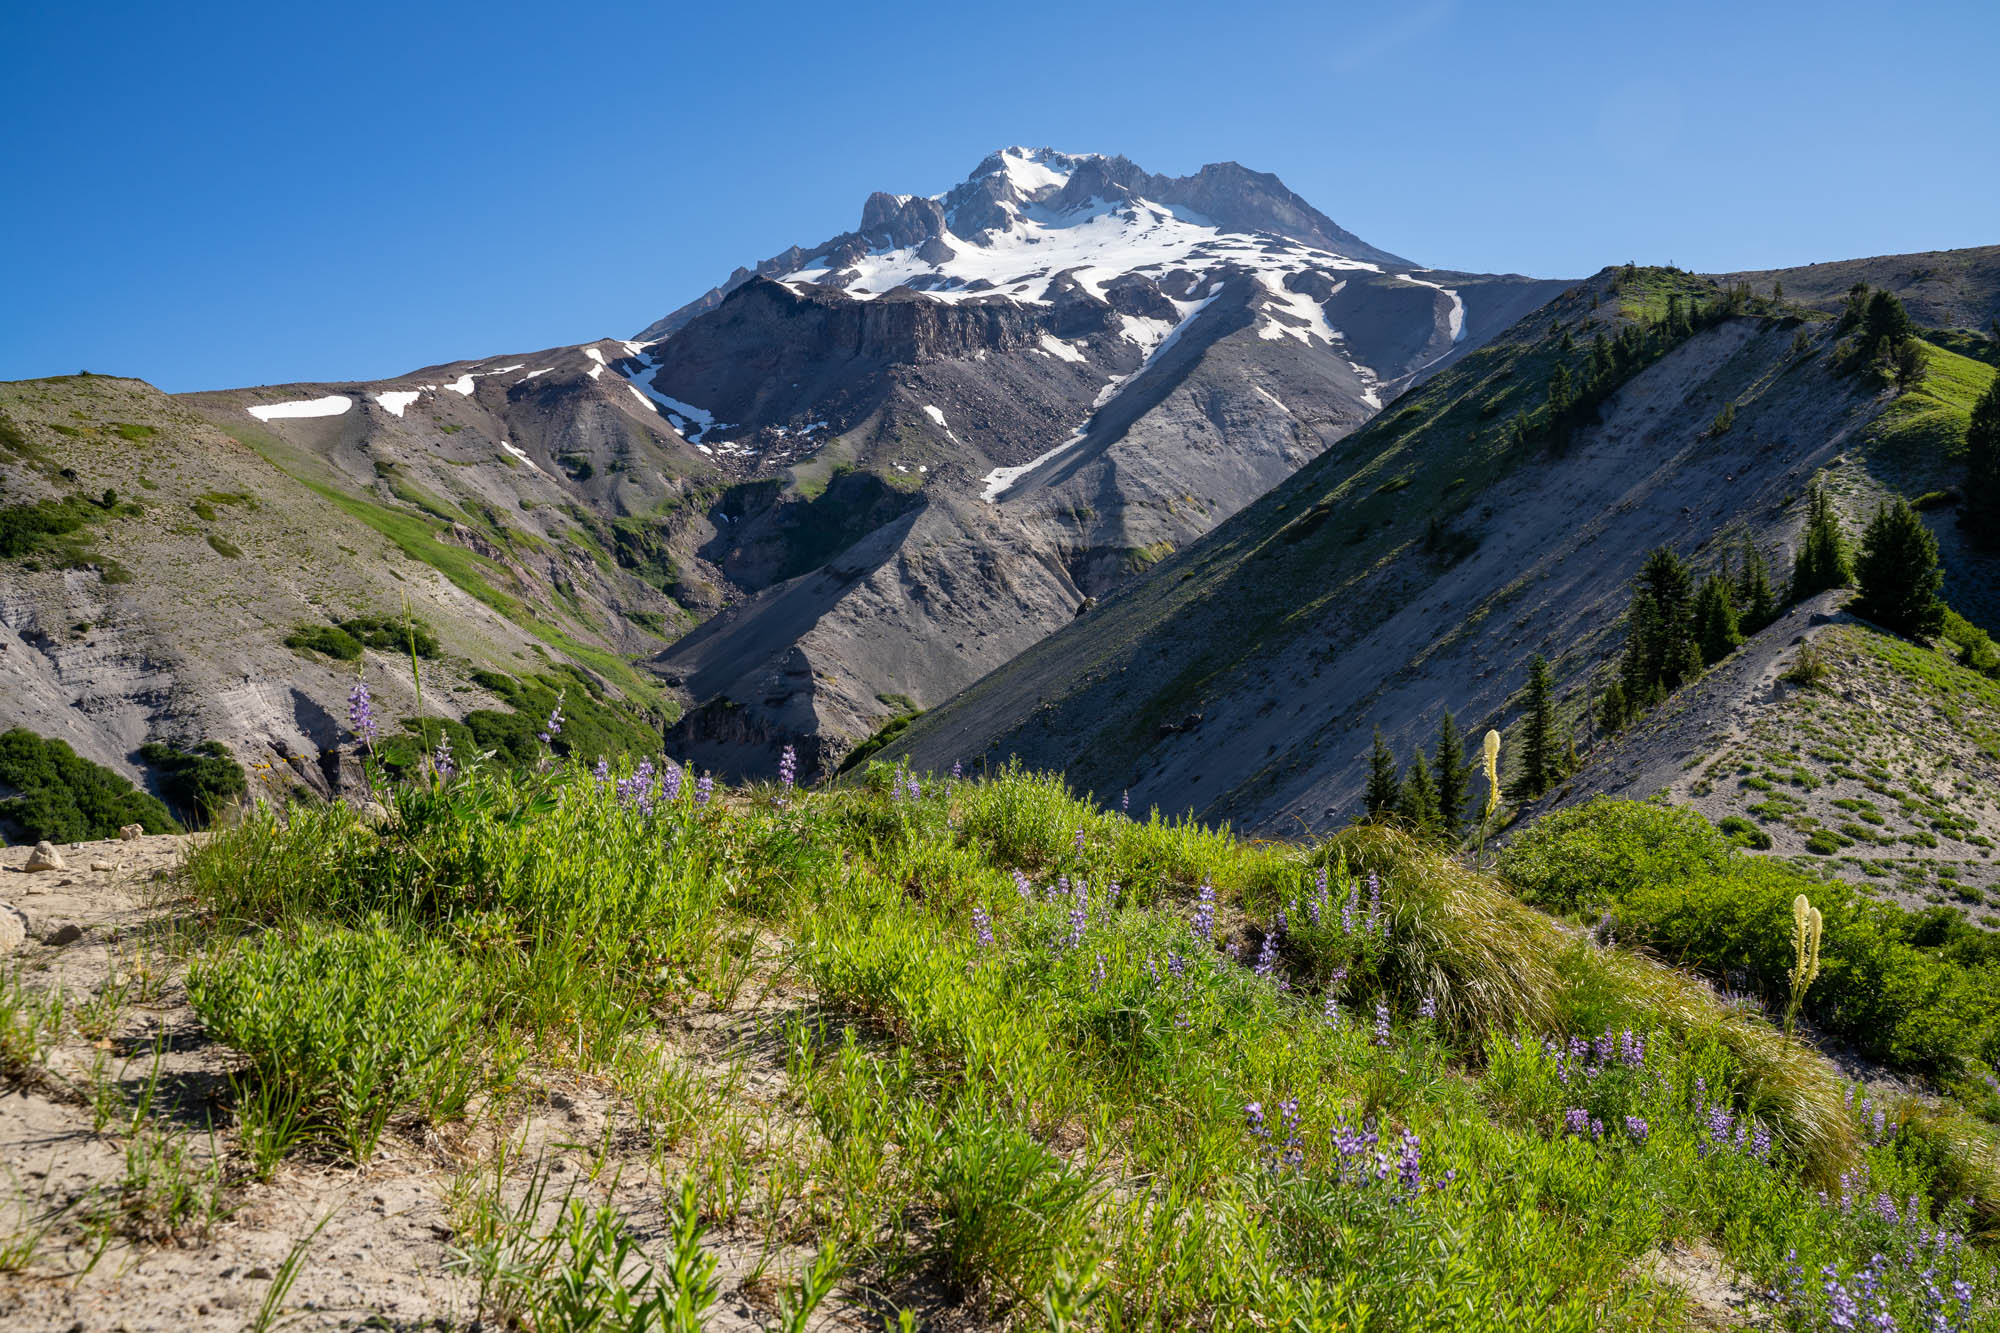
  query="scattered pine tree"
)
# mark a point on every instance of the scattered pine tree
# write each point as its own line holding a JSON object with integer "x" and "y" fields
{"x": 1454, "y": 778}
{"x": 1715, "y": 625}
{"x": 1612, "y": 709}
{"x": 1417, "y": 801}
{"x": 1899, "y": 574}
{"x": 1982, "y": 465}
{"x": 1757, "y": 604}
{"x": 1383, "y": 787}
{"x": 1538, "y": 745}
{"x": 1822, "y": 561}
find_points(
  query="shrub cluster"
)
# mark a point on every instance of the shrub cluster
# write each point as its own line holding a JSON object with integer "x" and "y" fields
{"x": 63, "y": 797}
{"x": 1920, "y": 991}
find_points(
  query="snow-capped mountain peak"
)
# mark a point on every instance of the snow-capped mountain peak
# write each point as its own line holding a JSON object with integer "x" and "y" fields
{"x": 1026, "y": 215}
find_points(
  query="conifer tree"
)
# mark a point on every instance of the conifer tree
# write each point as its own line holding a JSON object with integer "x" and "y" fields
{"x": 1538, "y": 745}
{"x": 1822, "y": 561}
{"x": 1666, "y": 579}
{"x": 1417, "y": 802}
{"x": 1899, "y": 574}
{"x": 1715, "y": 627}
{"x": 1683, "y": 665}
{"x": 1982, "y": 465}
{"x": 1884, "y": 321}
{"x": 1454, "y": 777}
{"x": 1777, "y": 291}
{"x": 1757, "y": 605}
{"x": 1612, "y": 710}
{"x": 1383, "y": 787}
{"x": 1640, "y": 670}
{"x": 1600, "y": 361}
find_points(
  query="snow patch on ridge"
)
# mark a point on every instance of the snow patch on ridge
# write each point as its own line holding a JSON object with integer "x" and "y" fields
{"x": 1055, "y": 346}
{"x": 396, "y": 401}
{"x": 330, "y": 406}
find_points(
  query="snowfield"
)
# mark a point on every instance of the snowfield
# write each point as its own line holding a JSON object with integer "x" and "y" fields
{"x": 330, "y": 406}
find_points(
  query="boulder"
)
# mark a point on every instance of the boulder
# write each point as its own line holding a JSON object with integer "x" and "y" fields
{"x": 131, "y": 832}
{"x": 68, "y": 932}
{"x": 45, "y": 857}
{"x": 13, "y": 928}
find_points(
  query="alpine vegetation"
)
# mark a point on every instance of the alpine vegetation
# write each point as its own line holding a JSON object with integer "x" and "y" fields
{"x": 1026, "y": 1061}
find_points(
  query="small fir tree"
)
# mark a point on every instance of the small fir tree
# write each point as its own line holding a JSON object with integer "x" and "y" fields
{"x": 1417, "y": 802}
{"x": 1758, "y": 606}
{"x": 1822, "y": 561}
{"x": 1383, "y": 787}
{"x": 1715, "y": 626}
{"x": 1612, "y": 710}
{"x": 1898, "y": 573}
{"x": 1982, "y": 465}
{"x": 1454, "y": 779}
{"x": 1538, "y": 745}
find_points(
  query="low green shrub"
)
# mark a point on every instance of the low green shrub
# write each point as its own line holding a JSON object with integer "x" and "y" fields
{"x": 201, "y": 781}
{"x": 342, "y": 1028}
{"x": 63, "y": 797}
{"x": 1687, "y": 894}
{"x": 1603, "y": 850}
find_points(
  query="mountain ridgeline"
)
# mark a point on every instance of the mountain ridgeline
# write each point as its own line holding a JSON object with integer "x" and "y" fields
{"x": 1170, "y": 482}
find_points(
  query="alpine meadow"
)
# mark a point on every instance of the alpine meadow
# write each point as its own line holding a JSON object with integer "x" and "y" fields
{"x": 1090, "y": 751}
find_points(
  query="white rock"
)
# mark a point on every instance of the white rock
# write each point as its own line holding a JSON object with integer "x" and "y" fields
{"x": 45, "y": 857}
{"x": 13, "y": 928}
{"x": 131, "y": 832}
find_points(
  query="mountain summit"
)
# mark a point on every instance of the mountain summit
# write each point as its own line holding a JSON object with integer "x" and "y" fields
{"x": 1025, "y": 215}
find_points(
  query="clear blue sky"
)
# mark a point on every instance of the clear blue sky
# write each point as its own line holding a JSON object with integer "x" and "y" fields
{"x": 217, "y": 195}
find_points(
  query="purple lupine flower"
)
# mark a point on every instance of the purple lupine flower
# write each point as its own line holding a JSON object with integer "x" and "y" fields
{"x": 1332, "y": 1008}
{"x": 1576, "y": 1121}
{"x": 1842, "y": 1310}
{"x": 553, "y": 727}
{"x": 1291, "y": 1151}
{"x": 1885, "y": 1208}
{"x": 1348, "y": 909}
{"x": 1409, "y": 1165}
{"x": 1079, "y": 914}
{"x": 1125, "y": 802}
{"x": 361, "y": 713}
{"x": 957, "y": 771}
{"x": 1079, "y": 842}
{"x": 704, "y": 788}
{"x": 982, "y": 928}
{"x": 441, "y": 759}
{"x": 1637, "y": 1128}
{"x": 1253, "y": 1119}
{"x": 1267, "y": 956}
{"x": 1760, "y": 1144}
{"x": 1097, "y": 974}
{"x": 1427, "y": 1008}
{"x": 1631, "y": 1049}
{"x": 1022, "y": 887}
{"x": 1204, "y": 911}
{"x": 1381, "y": 1024}
{"x": 670, "y": 781}
{"x": 1374, "y": 902}
{"x": 600, "y": 772}
{"x": 1153, "y": 971}
{"x": 788, "y": 766}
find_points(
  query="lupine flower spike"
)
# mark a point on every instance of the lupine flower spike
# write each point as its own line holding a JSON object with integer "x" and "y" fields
{"x": 553, "y": 727}
{"x": 361, "y": 713}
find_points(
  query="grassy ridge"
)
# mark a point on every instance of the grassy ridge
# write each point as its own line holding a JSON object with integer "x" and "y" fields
{"x": 1080, "y": 1070}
